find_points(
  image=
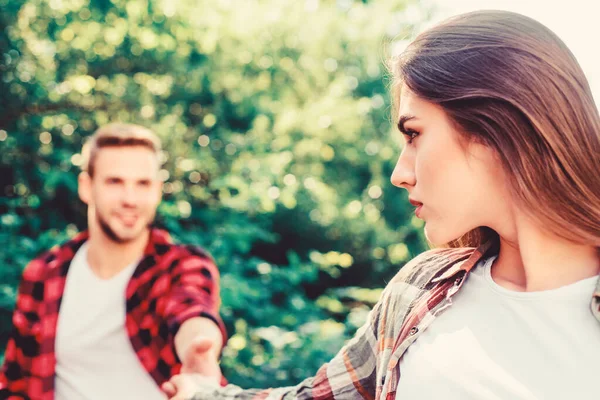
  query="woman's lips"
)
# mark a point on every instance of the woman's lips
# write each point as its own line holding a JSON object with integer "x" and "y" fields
{"x": 418, "y": 206}
{"x": 418, "y": 211}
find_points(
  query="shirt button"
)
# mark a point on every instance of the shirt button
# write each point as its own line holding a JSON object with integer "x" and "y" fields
{"x": 413, "y": 331}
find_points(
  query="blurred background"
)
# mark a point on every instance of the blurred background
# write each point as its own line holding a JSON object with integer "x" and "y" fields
{"x": 275, "y": 121}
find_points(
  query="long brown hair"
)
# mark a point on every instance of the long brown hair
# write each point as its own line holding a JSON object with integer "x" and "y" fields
{"x": 509, "y": 82}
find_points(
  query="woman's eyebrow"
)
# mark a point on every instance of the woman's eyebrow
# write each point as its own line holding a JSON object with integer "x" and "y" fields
{"x": 403, "y": 119}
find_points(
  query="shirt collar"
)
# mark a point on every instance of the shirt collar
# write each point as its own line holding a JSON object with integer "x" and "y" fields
{"x": 158, "y": 239}
{"x": 467, "y": 265}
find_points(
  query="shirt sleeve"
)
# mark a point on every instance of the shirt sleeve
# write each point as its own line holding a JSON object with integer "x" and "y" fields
{"x": 22, "y": 348}
{"x": 12, "y": 382}
{"x": 194, "y": 292}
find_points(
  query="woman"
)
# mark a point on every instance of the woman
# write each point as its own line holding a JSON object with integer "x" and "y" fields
{"x": 502, "y": 161}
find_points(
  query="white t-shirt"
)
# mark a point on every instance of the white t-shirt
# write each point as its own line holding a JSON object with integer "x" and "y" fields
{"x": 498, "y": 344}
{"x": 94, "y": 357}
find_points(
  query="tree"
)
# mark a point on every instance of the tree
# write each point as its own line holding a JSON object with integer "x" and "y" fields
{"x": 274, "y": 117}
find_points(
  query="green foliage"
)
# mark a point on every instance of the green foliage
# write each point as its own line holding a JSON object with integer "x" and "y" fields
{"x": 274, "y": 117}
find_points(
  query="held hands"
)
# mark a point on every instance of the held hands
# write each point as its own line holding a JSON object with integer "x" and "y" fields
{"x": 200, "y": 369}
{"x": 185, "y": 386}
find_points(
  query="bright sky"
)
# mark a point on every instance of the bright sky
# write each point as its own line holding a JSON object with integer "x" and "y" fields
{"x": 576, "y": 22}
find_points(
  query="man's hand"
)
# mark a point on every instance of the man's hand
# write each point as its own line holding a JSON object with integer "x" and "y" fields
{"x": 201, "y": 357}
{"x": 198, "y": 344}
{"x": 199, "y": 369}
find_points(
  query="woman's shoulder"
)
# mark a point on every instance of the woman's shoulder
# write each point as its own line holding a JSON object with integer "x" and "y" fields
{"x": 413, "y": 282}
{"x": 424, "y": 268}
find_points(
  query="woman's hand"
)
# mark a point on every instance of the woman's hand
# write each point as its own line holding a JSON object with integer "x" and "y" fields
{"x": 184, "y": 386}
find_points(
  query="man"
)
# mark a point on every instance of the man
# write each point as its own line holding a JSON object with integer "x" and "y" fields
{"x": 119, "y": 309}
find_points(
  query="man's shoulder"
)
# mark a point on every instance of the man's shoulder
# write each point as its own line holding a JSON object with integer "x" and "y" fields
{"x": 176, "y": 258}
{"x": 164, "y": 245}
{"x": 52, "y": 258}
{"x": 181, "y": 251}
{"x": 424, "y": 268}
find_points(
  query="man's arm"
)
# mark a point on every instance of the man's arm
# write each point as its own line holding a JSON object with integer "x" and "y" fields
{"x": 11, "y": 374}
{"x": 22, "y": 346}
{"x": 192, "y": 314}
{"x": 198, "y": 344}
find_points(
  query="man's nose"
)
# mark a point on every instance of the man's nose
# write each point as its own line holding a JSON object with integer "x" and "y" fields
{"x": 129, "y": 195}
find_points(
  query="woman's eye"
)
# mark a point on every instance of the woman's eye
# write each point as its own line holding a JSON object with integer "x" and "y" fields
{"x": 411, "y": 135}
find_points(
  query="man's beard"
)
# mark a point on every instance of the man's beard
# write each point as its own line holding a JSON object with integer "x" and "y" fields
{"x": 110, "y": 233}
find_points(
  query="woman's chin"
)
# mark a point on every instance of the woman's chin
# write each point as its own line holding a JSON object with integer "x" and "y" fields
{"x": 431, "y": 236}
{"x": 437, "y": 238}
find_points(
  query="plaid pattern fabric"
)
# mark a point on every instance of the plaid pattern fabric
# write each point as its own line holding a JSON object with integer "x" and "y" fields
{"x": 170, "y": 284}
{"x": 368, "y": 366}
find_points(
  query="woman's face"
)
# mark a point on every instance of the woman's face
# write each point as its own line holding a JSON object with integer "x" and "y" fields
{"x": 457, "y": 185}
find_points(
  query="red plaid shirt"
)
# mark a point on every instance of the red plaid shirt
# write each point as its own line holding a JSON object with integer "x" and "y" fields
{"x": 171, "y": 284}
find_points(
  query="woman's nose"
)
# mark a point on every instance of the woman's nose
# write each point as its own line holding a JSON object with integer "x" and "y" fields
{"x": 403, "y": 175}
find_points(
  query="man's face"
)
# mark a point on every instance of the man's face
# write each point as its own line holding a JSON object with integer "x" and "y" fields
{"x": 124, "y": 192}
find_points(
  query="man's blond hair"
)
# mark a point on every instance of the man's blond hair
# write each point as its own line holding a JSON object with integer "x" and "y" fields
{"x": 117, "y": 135}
